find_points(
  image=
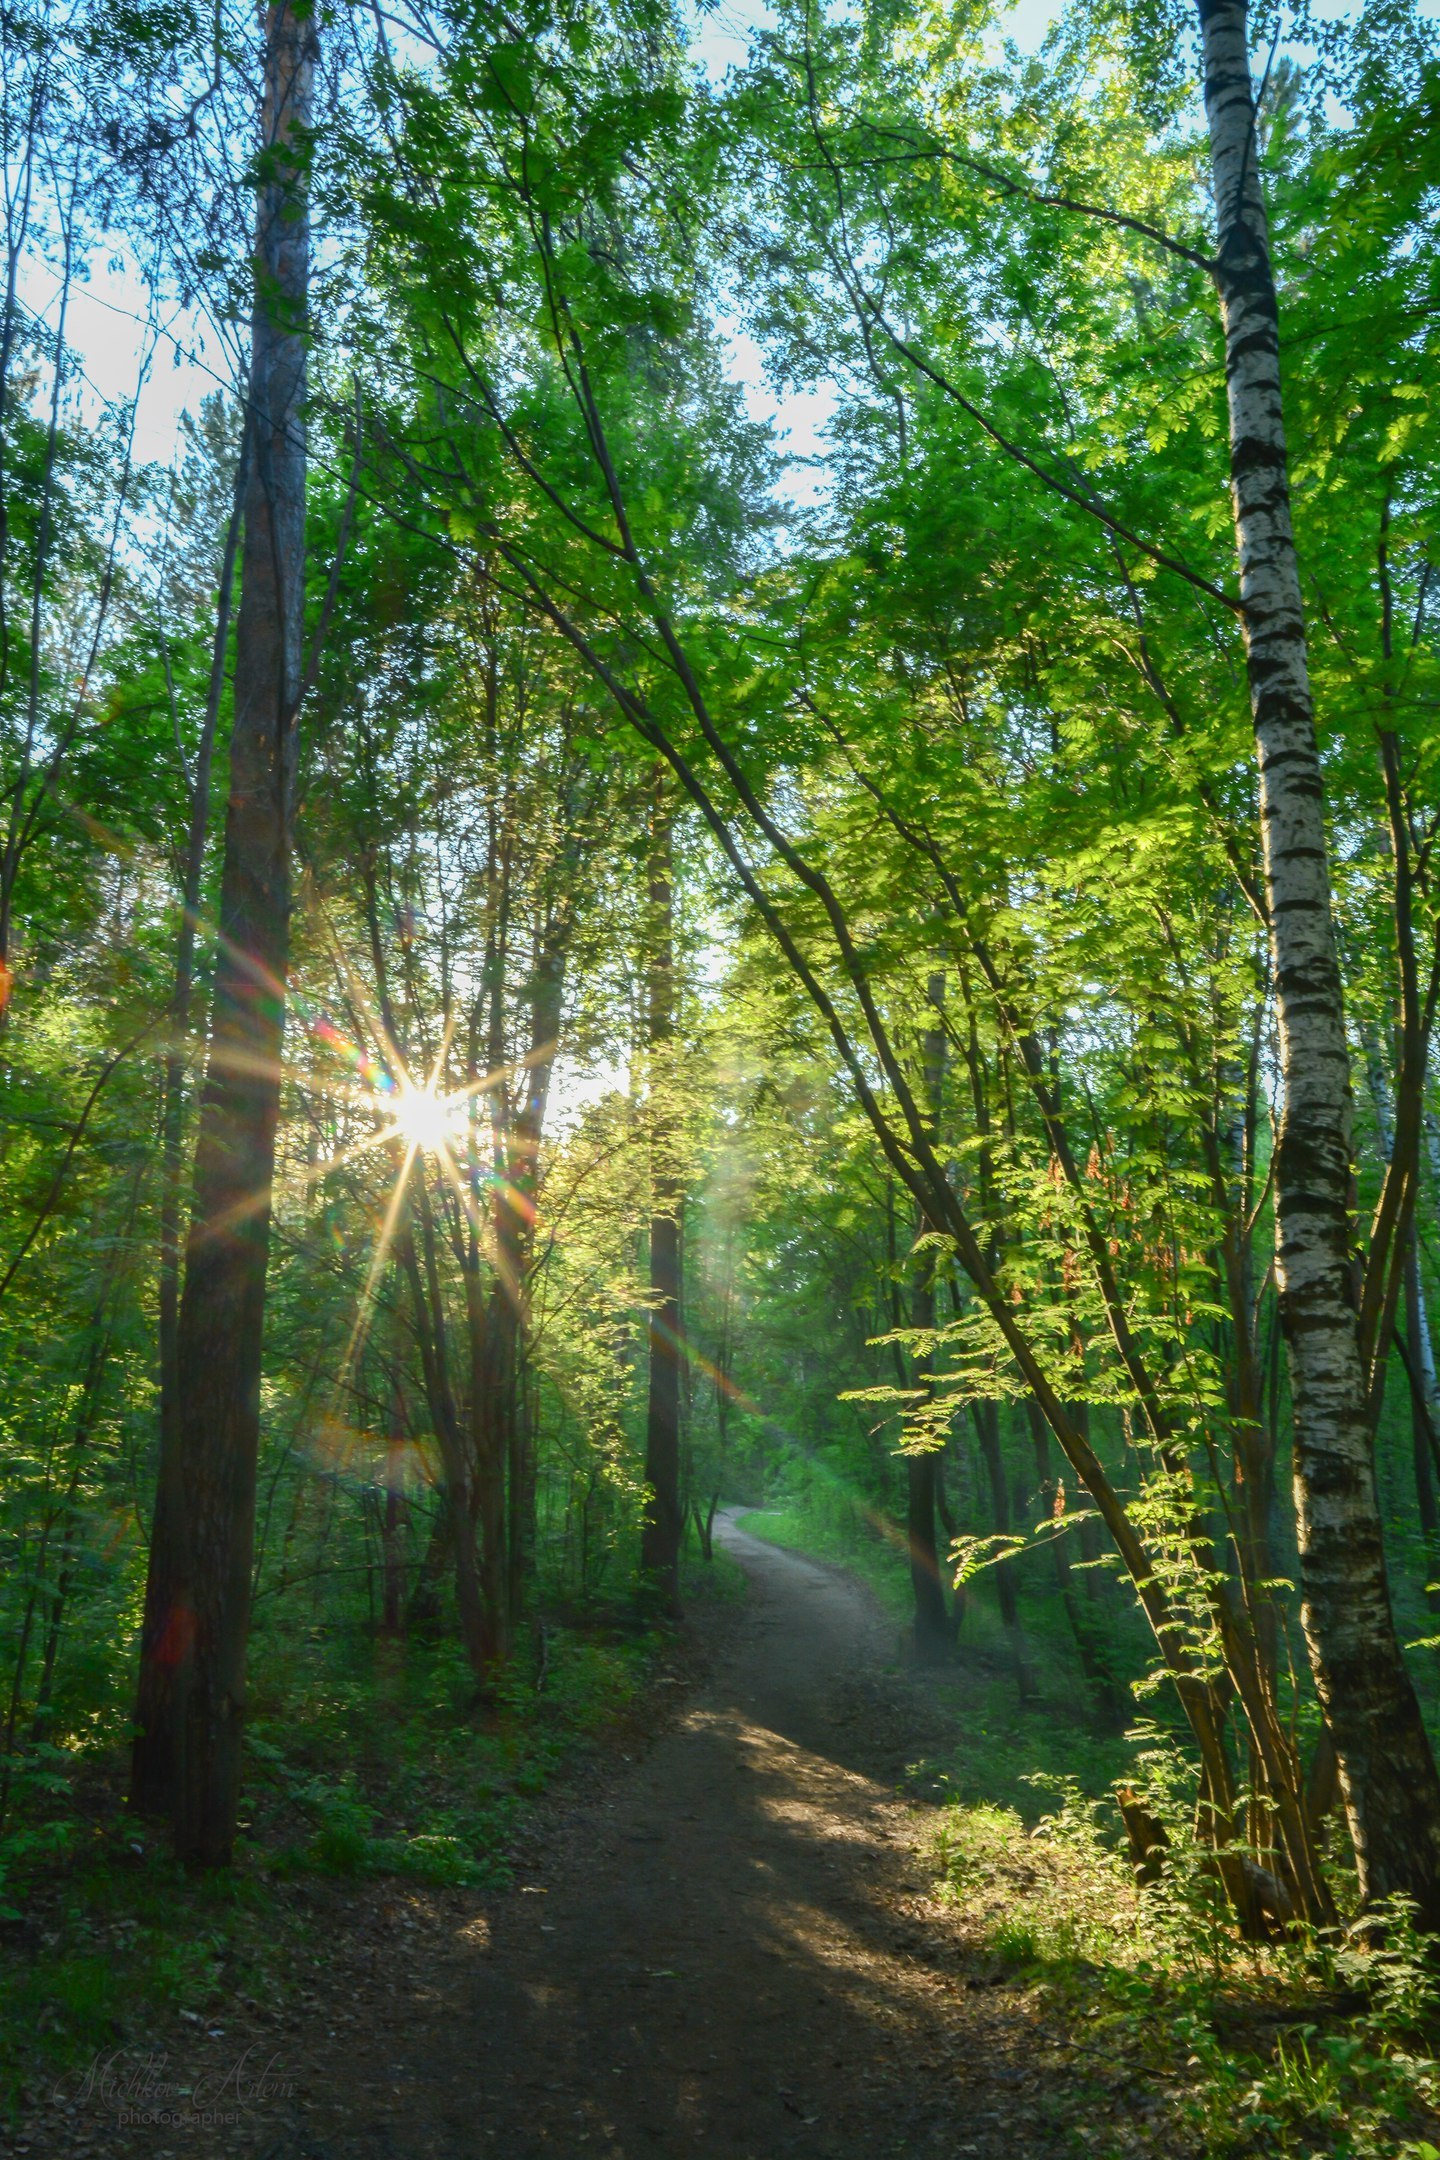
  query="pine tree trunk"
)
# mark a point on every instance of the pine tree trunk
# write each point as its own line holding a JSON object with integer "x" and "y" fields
{"x": 222, "y": 1310}
{"x": 661, "y": 1528}
{"x": 1387, "y": 1770}
{"x": 155, "y": 1752}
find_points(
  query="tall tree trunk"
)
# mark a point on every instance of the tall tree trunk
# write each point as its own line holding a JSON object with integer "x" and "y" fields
{"x": 660, "y": 1531}
{"x": 934, "y": 1633}
{"x": 490, "y": 1321}
{"x": 515, "y": 1236}
{"x": 396, "y": 1515}
{"x": 1419, "y": 1352}
{"x": 222, "y": 1310}
{"x": 1387, "y": 1771}
{"x": 493, "y": 1316}
{"x": 987, "y": 1428}
{"x": 153, "y": 1757}
{"x": 476, "y": 1618}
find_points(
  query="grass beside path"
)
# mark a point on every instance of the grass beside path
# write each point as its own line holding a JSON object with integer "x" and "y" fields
{"x": 1185, "y": 2043}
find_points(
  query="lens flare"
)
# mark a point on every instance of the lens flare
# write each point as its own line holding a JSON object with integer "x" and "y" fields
{"x": 428, "y": 1121}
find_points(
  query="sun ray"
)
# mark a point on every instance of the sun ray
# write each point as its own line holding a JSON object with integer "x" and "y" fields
{"x": 381, "y": 1253}
{"x": 466, "y": 1198}
{"x": 366, "y": 1145}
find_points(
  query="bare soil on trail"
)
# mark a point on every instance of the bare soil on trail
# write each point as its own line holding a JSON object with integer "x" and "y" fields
{"x": 731, "y": 1949}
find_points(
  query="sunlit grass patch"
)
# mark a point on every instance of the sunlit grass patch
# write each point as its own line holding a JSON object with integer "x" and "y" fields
{"x": 1183, "y": 2039}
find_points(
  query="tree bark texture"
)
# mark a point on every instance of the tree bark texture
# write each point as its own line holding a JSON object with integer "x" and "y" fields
{"x": 1424, "y": 1410}
{"x": 222, "y": 1309}
{"x": 154, "y": 1755}
{"x": 1387, "y": 1771}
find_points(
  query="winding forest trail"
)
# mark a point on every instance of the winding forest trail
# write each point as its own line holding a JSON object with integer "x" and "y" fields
{"x": 719, "y": 1957}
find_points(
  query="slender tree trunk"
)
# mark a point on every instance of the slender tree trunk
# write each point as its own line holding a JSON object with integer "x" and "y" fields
{"x": 500, "y": 1407}
{"x": 476, "y": 1618}
{"x": 395, "y": 1516}
{"x": 934, "y": 1633}
{"x": 1387, "y": 1771}
{"x": 493, "y": 1316}
{"x": 704, "y": 1520}
{"x": 492, "y": 1382}
{"x": 518, "y": 1207}
{"x": 222, "y": 1310}
{"x": 1089, "y": 1640}
{"x": 987, "y": 1427}
{"x": 1418, "y": 1352}
{"x": 86, "y": 1418}
{"x": 423, "y": 1607}
{"x": 660, "y": 1531}
{"x": 154, "y": 1755}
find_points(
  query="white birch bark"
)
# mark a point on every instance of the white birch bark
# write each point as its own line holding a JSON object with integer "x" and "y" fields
{"x": 1387, "y": 1770}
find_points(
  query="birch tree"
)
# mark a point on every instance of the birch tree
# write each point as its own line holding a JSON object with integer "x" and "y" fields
{"x": 1387, "y": 1767}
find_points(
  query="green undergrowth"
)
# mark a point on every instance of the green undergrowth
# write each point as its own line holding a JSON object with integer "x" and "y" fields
{"x": 1003, "y": 1734}
{"x": 365, "y": 1759}
{"x": 1180, "y": 2039}
{"x": 386, "y": 1770}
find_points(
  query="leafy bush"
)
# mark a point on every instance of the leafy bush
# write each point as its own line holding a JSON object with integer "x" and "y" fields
{"x": 1276, "y": 2051}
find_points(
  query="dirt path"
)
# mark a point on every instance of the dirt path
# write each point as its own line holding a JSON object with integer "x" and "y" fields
{"x": 731, "y": 1952}
{"x": 720, "y": 1958}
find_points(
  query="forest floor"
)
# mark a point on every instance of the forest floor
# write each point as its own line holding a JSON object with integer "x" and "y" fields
{"x": 730, "y": 1946}
{"x": 741, "y": 1926}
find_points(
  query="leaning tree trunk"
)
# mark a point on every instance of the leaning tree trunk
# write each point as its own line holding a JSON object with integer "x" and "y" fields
{"x": 660, "y": 1531}
{"x": 1387, "y": 1770}
{"x": 222, "y": 1310}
